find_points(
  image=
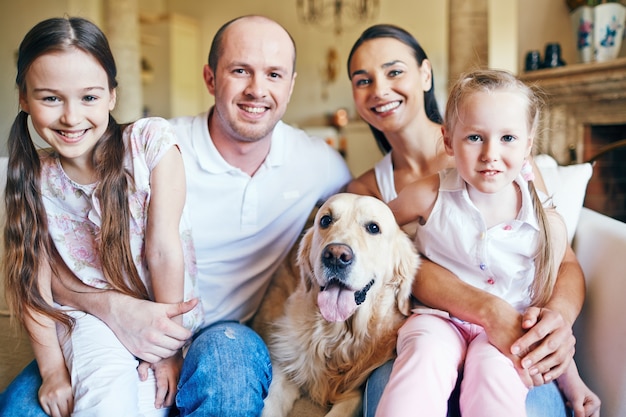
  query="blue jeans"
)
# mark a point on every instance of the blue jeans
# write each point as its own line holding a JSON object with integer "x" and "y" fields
{"x": 543, "y": 401}
{"x": 226, "y": 372}
{"x": 20, "y": 398}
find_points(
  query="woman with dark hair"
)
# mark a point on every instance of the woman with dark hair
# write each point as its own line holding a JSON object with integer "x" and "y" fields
{"x": 393, "y": 91}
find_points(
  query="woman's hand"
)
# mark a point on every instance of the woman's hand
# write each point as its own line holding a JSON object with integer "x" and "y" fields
{"x": 547, "y": 347}
{"x": 503, "y": 329}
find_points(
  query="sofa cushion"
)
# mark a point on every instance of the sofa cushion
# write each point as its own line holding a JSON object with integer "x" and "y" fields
{"x": 566, "y": 184}
{"x": 3, "y": 181}
{"x": 600, "y": 339}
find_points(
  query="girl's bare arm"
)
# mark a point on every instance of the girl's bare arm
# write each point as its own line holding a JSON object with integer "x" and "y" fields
{"x": 55, "y": 393}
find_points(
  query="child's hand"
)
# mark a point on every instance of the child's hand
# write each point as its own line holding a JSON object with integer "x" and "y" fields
{"x": 579, "y": 397}
{"x": 55, "y": 394}
{"x": 166, "y": 374}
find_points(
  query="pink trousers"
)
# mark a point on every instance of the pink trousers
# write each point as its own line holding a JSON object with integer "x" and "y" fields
{"x": 431, "y": 350}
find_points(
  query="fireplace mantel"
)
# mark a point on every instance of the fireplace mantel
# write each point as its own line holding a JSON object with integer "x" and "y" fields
{"x": 578, "y": 96}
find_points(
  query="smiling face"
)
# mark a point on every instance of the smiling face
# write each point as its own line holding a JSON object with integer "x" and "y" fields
{"x": 253, "y": 80}
{"x": 354, "y": 253}
{"x": 388, "y": 84}
{"x": 68, "y": 98}
{"x": 490, "y": 139}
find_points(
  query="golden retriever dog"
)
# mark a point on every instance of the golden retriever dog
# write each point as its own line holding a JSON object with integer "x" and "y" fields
{"x": 340, "y": 320}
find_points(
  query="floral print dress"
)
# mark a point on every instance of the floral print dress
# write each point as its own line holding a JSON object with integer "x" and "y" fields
{"x": 74, "y": 213}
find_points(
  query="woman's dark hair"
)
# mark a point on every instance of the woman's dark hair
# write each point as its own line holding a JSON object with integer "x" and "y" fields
{"x": 395, "y": 32}
{"x": 26, "y": 236}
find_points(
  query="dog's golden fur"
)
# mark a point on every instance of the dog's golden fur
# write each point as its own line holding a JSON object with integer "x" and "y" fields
{"x": 330, "y": 360}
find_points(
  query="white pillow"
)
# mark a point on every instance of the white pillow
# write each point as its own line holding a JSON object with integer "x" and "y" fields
{"x": 567, "y": 185}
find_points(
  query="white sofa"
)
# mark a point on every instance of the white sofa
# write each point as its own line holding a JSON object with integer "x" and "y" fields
{"x": 600, "y": 245}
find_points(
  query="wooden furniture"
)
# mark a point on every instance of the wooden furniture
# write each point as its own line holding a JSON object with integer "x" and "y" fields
{"x": 579, "y": 96}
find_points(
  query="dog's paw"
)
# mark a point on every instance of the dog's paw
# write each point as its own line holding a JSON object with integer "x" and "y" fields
{"x": 350, "y": 407}
{"x": 281, "y": 396}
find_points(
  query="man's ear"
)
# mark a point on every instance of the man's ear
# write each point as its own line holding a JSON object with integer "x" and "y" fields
{"x": 293, "y": 83}
{"x": 209, "y": 79}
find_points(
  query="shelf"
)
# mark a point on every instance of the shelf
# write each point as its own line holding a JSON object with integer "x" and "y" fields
{"x": 596, "y": 81}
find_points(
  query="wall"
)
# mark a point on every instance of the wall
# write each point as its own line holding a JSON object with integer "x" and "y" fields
{"x": 539, "y": 22}
{"x": 542, "y": 22}
{"x": 16, "y": 17}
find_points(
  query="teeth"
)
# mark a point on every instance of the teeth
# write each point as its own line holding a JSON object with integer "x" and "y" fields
{"x": 70, "y": 135}
{"x": 254, "y": 109}
{"x": 387, "y": 107}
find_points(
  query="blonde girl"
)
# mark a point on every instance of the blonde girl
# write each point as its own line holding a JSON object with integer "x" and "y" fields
{"x": 104, "y": 202}
{"x": 485, "y": 222}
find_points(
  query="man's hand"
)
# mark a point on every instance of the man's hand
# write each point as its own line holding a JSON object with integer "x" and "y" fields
{"x": 146, "y": 328}
{"x": 547, "y": 348}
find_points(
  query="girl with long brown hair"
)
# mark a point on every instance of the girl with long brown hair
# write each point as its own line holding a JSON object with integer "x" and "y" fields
{"x": 104, "y": 202}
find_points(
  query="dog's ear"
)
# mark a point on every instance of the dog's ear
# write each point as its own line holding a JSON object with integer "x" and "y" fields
{"x": 306, "y": 270}
{"x": 406, "y": 264}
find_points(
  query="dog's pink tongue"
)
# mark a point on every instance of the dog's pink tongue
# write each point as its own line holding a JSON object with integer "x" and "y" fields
{"x": 336, "y": 303}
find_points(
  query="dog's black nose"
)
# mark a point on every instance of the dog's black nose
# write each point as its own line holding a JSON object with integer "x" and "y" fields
{"x": 337, "y": 255}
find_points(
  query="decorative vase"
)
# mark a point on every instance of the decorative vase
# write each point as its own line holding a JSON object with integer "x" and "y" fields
{"x": 582, "y": 18}
{"x": 608, "y": 30}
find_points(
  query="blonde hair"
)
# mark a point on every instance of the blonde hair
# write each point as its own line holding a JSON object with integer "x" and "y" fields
{"x": 546, "y": 266}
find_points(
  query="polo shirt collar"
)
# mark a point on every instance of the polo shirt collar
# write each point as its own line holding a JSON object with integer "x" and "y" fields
{"x": 212, "y": 161}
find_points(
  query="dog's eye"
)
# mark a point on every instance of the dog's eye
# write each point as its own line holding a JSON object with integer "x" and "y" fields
{"x": 325, "y": 221}
{"x": 372, "y": 228}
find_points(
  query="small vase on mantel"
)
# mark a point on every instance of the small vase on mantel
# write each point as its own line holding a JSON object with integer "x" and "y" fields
{"x": 608, "y": 30}
{"x": 598, "y": 27}
{"x": 582, "y": 23}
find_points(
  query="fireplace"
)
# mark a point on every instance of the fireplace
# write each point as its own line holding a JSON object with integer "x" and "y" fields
{"x": 586, "y": 112}
{"x": 606, "y": 191}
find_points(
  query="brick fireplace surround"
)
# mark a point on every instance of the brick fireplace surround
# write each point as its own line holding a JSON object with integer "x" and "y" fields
{"x": 586, "y": 110}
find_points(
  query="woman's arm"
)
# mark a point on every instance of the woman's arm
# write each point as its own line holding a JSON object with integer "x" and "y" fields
{"x": 549, "y": 342}
{"x": 548, "y": 346}
{"x": 437, "y": 287}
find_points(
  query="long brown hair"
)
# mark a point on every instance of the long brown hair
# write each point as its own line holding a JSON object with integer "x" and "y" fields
{"x": 494, "y": 80}
{"x": 394, "y": 32}
{"x": 26, "y": 235}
